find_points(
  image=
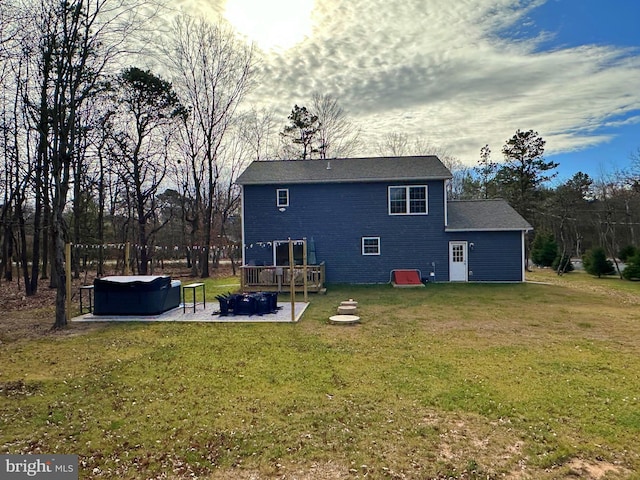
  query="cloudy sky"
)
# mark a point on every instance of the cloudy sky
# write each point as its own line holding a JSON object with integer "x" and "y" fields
{"x": 459, "y": 74}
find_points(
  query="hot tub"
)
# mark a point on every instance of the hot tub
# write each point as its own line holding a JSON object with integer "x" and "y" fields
{"x": 135, "y": 295}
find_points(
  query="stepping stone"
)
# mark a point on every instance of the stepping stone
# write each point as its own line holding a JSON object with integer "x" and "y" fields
{"x": 349, "y": 303}
{"x": 344, "y": 319}
{"x": 346, "y": 310}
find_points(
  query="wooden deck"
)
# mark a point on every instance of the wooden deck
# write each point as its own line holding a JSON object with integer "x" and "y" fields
{"x": 270, "y": 278}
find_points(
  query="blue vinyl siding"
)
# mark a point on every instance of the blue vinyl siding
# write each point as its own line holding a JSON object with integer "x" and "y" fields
{"x": 495, "y": 257}
{"x": 337, "y": 216}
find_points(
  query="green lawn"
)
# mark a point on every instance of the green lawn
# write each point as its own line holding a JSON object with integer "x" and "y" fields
{"x": 450, "y": 381}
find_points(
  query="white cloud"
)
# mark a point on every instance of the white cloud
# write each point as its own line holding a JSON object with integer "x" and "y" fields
{"x": 441, "y": 70}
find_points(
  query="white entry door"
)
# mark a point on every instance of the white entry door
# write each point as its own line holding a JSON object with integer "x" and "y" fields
{"x": 458, "y": 262}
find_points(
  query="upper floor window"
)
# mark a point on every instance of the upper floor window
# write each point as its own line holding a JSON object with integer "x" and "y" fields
{"x": 282, "y": 197}
{"x": 408, "y": 200}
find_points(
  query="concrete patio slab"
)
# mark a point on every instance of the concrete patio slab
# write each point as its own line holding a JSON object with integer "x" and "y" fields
{"x": 208, "y": 315}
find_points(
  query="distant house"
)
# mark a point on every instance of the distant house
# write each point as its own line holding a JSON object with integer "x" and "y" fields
{"x": 366, "y": 217}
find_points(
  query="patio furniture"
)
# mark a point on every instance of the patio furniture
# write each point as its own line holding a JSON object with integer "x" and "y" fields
{"x": 257, "y": 303}
{"x": 89, "y": 290}
{"x": 192, "y": 287}
{"x": 135, "y": 295}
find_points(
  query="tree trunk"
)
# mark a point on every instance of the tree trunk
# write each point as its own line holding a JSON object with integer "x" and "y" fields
{"x": 143, "y": 264}
{"x": 46, "y": 236}
{"x": 77, "y": 219}
{"x": 22, "y": 239}
{"x": 53, "y": 277}
{"x": 37, "y": 232}
{"x": 205, "y": 261}
{"x": 101, "y": 207}
{"x": 629, "y": 218}
{"x": 59, "y": 263}
{"x": 208, "y": 222}
{"x": 7, "y": 251}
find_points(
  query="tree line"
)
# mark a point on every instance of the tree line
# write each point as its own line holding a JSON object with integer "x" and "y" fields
{"x": 579, "y": 218}
{"x": 96, "y": 150}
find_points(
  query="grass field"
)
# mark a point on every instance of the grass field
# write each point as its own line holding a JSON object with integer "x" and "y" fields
{"x": 460, "y": 381}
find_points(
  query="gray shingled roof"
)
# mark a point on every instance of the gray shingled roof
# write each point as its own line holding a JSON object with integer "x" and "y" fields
{"x": 488, "y": 215}
{"x": 338, "y": 170}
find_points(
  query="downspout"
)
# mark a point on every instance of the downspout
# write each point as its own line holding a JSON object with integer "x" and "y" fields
{"x": 242, "y": 225}
{"x": 446, "y": 210}
{"x": 522, "y": 249}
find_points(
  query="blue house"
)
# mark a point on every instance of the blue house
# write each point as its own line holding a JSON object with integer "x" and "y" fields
{"x": 363, "y": 218}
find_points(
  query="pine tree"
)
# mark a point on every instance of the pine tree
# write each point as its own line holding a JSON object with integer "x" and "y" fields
{"x": 544, "y": 249}
{"x": 525, "y": 169}
{"x": 632, "y": 269}
{"x": 595, "y": 262}
{"x": 303, "y": 132}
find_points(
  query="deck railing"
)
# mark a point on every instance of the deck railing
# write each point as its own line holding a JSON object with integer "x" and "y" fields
{"x": 270, "y": 278}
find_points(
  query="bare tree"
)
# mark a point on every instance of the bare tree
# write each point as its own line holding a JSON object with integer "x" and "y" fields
{"x": 214, "y": 72}
{"x": 487, "y": 171}
{"x": 398, "y": 144}
{"x": 257, "y": 131}
{"x": 189, "y": 174}
{"x": 71, "y": 44}
{"x": 17, "y": 173}
{"x": 8, "y": 134}
{"x": 236, "y": 156}
{"x": 634, "y": 173}
{"x": 10, "y": 20}
{"x": 337, "y": 135}
{"x": 393, "y": 144}
{"x": 607, "y": 216}
{"x": 565, "y": 205}
{"x": 23, "y": 175}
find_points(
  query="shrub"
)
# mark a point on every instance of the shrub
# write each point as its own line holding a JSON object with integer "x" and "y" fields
{"x": 632, "y": 270}
{"x": 544, "y": 249}
{"x": 627, "y": 252}
{"x": 595, "y": 262}
{"x": 562, "y": 264}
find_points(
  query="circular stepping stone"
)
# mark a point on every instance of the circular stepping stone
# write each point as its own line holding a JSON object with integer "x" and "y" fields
{"x": 344, "y": 319}
{"x": 349, "y": 303}
{"x": 346, "y": 310}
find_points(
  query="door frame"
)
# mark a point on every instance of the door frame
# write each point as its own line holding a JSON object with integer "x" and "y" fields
{"x": 465, "y": 251}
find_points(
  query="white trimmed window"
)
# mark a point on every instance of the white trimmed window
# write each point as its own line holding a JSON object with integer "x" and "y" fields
{"x": 370, "y": 245}
{"x": 282, "y": 197}
{"x": 408, "y": 200}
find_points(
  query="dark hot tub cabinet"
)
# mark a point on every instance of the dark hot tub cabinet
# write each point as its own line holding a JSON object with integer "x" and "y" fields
{"x": 135, "y": 295}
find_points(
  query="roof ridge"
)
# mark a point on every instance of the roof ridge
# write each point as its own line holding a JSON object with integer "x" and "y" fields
{"x": 384, "y": 157}
{"x": 333, "y": 170}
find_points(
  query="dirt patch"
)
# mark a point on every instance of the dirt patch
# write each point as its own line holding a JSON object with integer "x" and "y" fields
{"x": 18, "y": 388}
{"x": 576, "y": 469}
{"x": 317, "y": 471}
{"x": 590, "y": 470}
{"x": 25, "y": 316}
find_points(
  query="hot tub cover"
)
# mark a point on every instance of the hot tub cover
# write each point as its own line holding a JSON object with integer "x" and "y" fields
{"x": 135, "y": 294}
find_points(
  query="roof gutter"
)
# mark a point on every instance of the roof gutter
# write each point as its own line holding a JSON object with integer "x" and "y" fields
{"x": 342, "y": 180}
{"x": 522, "y": 229}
